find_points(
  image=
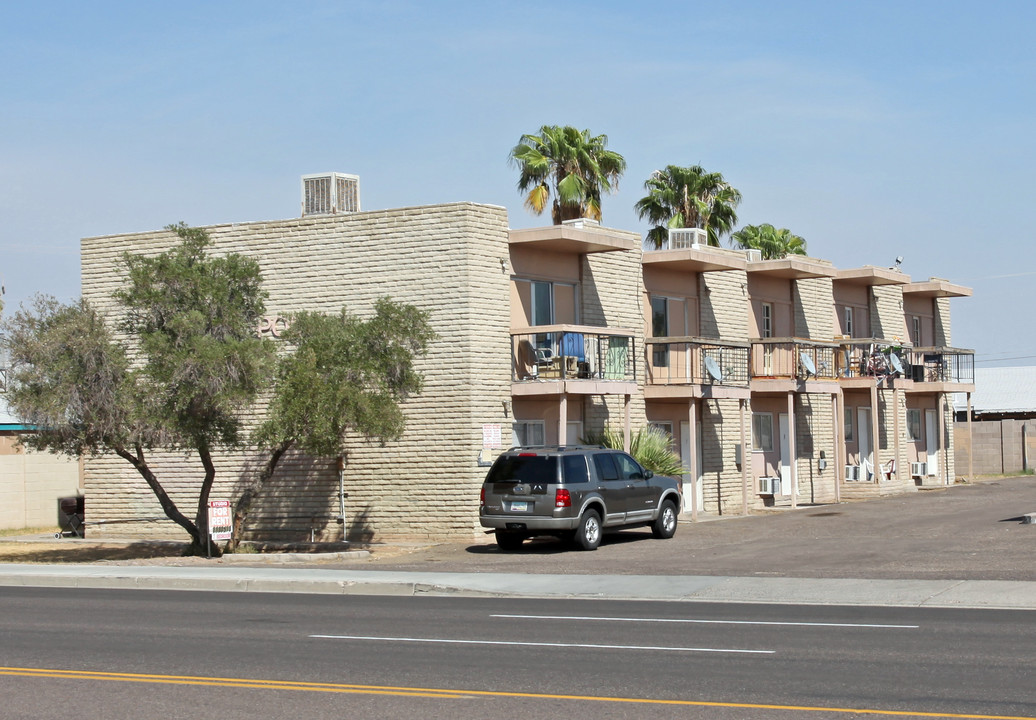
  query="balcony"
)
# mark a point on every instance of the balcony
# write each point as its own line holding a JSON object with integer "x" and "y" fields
{"x": 792, "y": 359}
{"x": 573, "y": 353}
{"x": 874, "y": 358}
{"x": 696, "y": 361}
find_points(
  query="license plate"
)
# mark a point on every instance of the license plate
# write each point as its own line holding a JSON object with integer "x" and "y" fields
{"x": 522, "y": 506}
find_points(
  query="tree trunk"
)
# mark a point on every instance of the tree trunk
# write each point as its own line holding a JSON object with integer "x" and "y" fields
{"x": 253, "y": 492}
{"x": 203, "y": 546}
{"x": 168, "y": 506}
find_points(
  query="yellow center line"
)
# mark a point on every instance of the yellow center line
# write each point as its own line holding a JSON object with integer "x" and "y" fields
{"x": 455, "y": 694}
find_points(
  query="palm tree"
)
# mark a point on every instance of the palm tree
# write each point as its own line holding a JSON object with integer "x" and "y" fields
{"x": 774, "y": 243}
{"x": 686, "y": 197}
{"x": 571, "y": 166}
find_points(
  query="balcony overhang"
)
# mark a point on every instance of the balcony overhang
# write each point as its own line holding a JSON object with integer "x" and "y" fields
{"x": 936, "y": 288}
{"x": 869, "y": 276}
{"x": 575, "y": 239}
{"x": 696, "y": 391}
{"x": 792, "y": 268}
{"x": 540, "y": 388}
{"x": 696, "y": 259}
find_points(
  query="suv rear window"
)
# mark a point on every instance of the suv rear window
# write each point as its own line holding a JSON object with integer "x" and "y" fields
{"x": 524, "y": 469}
{"x": 606, "y": 469}
{"x": 575, "y": 469}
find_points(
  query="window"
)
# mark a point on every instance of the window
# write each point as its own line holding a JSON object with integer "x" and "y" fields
{"x": 660, "y": 328}
{"x": 542, "y": 303}
{"x": 849, "y": 424}
{"x": 915, "y": 330}
{"x": 849, "y": 321}
{"x": 628, "y": 467}
{"x": 914, "y": 423}
{"x": 527, "y": 433}
{"x": 762, "y": 432}
{"x": 575, "y": 469}
{"x": 514, "y": 468}
{"x": 606, "y": 469}
{"x": 767, "y": 320}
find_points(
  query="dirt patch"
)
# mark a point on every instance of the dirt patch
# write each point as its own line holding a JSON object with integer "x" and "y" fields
{"x": 73, "y": 552}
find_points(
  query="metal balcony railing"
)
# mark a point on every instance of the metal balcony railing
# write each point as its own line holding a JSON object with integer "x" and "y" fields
{"x": 875, "y": 357}
{"x": 577, "y": 352}
{"x": 692, "y": 360}
{"x": 787, "y": 358}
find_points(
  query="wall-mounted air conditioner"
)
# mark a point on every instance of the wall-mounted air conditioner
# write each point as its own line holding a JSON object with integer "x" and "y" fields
{"x": 852, "y": 473}
{"x": 918, "y": 469}
{"x": 769, "y": 486}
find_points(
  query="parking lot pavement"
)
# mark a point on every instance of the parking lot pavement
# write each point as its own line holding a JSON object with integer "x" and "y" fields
{"x": 972, "y": 532}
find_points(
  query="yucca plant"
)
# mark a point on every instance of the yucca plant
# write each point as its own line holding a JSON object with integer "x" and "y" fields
{"x": 649, "y": 446}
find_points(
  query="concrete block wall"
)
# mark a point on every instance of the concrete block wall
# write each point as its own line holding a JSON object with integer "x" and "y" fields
{"x": 812, "y": 300}
{"x": 612, "y": 295}
{"x": 724, "y": 305}
{"x": 31, "y": 484}
{"x": 886, "y": 310}
{"x": 445, "y": 259}
{"x": 721, "y": 475}
{"x": 999, "y": 446}
{"x": 814, "y": 433}
{"x": 943, "y": 335}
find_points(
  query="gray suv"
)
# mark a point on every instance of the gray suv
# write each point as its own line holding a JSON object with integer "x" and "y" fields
{"x": 574, "y": 493}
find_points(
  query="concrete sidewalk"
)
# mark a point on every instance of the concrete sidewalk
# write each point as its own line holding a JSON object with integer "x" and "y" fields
{"x": 826, "y": 591}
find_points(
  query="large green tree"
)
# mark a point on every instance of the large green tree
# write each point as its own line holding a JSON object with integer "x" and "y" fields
{"x": 772, "y": 242}
{"x": 187, "y": 364}
{"x": 344, "y": 375}
{"x": 567, "y": 169}
{"x": 688, "y": 197}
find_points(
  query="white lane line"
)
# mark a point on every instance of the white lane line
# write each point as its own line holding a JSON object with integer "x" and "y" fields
{"x": 705, "y": 622}
{"x": 451, "y": 641}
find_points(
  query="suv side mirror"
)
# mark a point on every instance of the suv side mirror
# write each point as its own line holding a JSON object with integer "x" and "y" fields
{"x": 648, "y": 474}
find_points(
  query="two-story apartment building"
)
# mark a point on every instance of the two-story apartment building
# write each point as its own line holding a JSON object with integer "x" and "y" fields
{"x": 546, "y": 335}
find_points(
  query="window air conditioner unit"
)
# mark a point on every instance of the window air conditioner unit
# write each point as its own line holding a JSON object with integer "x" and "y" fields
{"x": 918, "y": 469}
{"x": 852, "y": 473}
{"x": 769, "y": 486}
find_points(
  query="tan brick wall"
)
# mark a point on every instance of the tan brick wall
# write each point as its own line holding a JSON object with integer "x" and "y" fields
{"x": 444, "y": 259}
{"x": 724, "y": 305}
{"x": 813, "y": 299}
{"x": 612, "y": 288}
{"x": 886, "y": 310}
{"x": 943, "y": 336}
{"x": 814, "y": 433}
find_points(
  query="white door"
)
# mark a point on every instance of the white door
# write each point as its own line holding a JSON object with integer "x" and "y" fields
{"x": 685, "y": 454}
{"x": 863, "y": 433}
{"x": 786, "y": 459}
{"x": 574, "y": 432}
{"x": 931, "y": 435}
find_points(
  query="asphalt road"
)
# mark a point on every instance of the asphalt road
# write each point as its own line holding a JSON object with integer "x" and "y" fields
{"x": 964, "y": 532}
{"x": 133, "y": 654}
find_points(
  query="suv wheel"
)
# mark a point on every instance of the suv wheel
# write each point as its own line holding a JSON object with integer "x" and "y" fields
{"x": 664, "y": 526}
{"x": 509, "y": 540}
{"x": 588, "y": 534}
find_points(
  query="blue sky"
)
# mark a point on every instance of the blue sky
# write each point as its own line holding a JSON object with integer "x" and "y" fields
{"x": 871, "y": 129}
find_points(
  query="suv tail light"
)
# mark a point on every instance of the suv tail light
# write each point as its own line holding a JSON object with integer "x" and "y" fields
{"x": 482, "y": 498}
{"x": 562, "y": 498}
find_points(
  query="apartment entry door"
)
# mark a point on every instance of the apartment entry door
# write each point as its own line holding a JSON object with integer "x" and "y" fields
{"x": 863, "y": 434}
{"x": 784, "y": 429}
{"x": 698, "y": 486}
{"x": 931, "y": 438}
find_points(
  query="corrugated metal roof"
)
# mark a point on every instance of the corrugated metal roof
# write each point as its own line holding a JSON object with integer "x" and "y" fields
{"x": 1005, "y": 389}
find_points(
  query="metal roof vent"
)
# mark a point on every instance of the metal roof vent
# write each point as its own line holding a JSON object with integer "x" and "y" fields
{"x": 330, "y": 194}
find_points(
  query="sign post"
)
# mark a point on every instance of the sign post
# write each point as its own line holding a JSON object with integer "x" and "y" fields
{"x": 221, "y": 520}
